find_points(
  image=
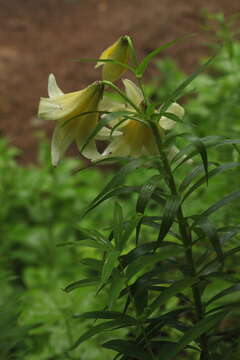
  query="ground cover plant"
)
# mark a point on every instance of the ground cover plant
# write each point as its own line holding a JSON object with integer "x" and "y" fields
{"x": 158, "y": 269}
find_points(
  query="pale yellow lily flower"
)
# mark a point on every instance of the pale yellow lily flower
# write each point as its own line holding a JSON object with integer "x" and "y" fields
{"x": 135, "y": 138}
{"x": 67, "y": 110}
{"x": 118, "y": 51}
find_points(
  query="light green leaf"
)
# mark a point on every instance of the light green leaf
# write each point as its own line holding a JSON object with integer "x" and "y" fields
{"x": 109, "y": 264}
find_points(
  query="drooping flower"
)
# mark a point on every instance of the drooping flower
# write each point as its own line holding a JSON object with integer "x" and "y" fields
{"x": 134, "y": 138}
{"x": 73, "y": 124}
{"x": 118, "y": 51}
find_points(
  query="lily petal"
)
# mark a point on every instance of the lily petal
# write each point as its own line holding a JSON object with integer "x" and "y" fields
{"x": 168, "y": 124}
{"x": 63, "y": 136}
{"x": 133, "y": 92}
{"x": 53, "y": 88}
{"x": 91, "y": 152}
{"x": 116, "y": 148}
{"x": 67, "y": 106}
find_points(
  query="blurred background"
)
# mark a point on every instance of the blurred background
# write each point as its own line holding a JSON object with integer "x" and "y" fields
{"x": 42, "y": 36}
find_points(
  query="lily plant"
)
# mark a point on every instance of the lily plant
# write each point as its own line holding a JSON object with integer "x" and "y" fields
{"x": 155, "y": 269}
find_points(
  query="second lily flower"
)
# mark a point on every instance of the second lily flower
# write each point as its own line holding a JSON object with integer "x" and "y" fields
{"x": 134, "y": 138}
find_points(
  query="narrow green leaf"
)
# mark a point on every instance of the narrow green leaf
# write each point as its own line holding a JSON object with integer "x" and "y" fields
{"x": 109, "y": 264}
{"x": 113, "y": 315}
{"x": 140, "y": 295}
{"x": 169, "y": 214}
{"x": 191, "y": 176}
{"x": 144, "y": 63}
{"x": 93, "y": 264}
{"x": 106, "y": 326}
{"x": 127, "y": 348}
{"x": 117, "y": 180}
{"x": 129, "y": 227}
{"x": 199, "y": 145}
{"x": 178, "y": 91}
{"x": 139, "y": 251}
{"x": 140, "y": 263}
{"x": 217, "y": 171}
{"x": 209, "y": 141}
{"x": 80, "y": 283}
{"x": 223, "y": 293}
{"x": 171, "y": 291}
{"x": 144, "y": 197}
{"x": 117, "y": 223}
{"x": 226, "y": 254}
{"x": 156, "y": 323}
{"x": 104, "y": 121}
{"x": 189, "y": 151}
{"x": 192, "y": 334}
{"x": 93, "y": 244}
{"x": 111, "y": 193}
{"x": 146, "y": 193}
{"x": 229, "y": 307}
{"x": 233, "y": 196}
{"x": 211, "y": 233}
{"x": 117, "y": 284}
{"x": 92, "y": 238}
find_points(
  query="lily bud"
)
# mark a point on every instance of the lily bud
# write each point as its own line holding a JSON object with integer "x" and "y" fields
{"x": 118, "y": 51}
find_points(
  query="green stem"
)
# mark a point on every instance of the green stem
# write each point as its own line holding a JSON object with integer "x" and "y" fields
{"x": 186, "y": 238}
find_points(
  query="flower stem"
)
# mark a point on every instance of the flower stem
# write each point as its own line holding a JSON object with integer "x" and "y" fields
{"x": 186, "y": 238}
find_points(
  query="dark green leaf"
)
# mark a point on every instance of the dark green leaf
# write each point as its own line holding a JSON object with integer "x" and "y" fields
{"x": 199, "y": 145}
{"x": 113, "y": 315}
{"x": 149, "y": 260}
{"x": 211, "y": 233}
{"x": 129, "y": 227}
{"x": 140, "y": 295}
{"x": 106, "y": 326}
{"x": 171, "y": 291}
{"x": 233, "y": 196}
{"x": 192, "y": 175}
{"x": 146, "y": 193}
{"x": 127, "y": 348}
{"x": 224, "y": 292}
{"x": 209, "y": 141}
{"x": 226, "y": 254}
{"x": 112, "y": 193}
{"x": 117, "y": 223}
{"x": 116, "y": 181}
{"x": 80, "y": 283}
{"x": 192, "y": 334}
{"x": 117, "y": 284}
{"x": 169, "y": 214}
{"x": 220, "y": 169}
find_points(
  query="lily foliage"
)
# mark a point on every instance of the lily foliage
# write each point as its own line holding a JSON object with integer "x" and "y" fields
{"x": 156, "y": 264}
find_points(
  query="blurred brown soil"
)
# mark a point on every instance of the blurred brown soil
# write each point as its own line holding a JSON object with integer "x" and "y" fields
{"x": 42, "y": 36}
